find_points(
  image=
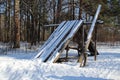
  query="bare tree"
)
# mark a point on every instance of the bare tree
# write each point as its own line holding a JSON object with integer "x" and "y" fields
{"x": 59, "y": 7}
{"x": 80, "y": 9}
{"x": 17, "y": 25}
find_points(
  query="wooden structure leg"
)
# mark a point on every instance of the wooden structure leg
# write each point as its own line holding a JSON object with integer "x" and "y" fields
{"x": 83, "y": 59}
{"x": 67, "y": 49}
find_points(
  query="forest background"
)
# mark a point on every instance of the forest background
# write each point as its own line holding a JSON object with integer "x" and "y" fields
{"x": 25, "y": 20}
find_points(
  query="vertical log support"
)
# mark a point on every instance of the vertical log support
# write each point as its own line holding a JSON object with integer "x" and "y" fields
{"x": 83, "y": 57}
{"x": 95, "y": 43}
{"x": 67, "y": 49}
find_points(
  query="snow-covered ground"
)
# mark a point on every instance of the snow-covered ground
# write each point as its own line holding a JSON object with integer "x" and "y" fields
{"x": 21, "y": 66}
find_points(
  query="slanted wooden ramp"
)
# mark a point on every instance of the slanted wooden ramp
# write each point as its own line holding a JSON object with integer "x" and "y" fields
{"x": 58, "y": 41}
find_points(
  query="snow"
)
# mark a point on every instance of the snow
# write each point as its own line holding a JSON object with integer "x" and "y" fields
{"x": 20, "y": 66}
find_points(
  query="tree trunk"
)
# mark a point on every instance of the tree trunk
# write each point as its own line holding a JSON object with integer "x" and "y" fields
{"x": 59, "y": 6}
{"x": 73, "y": 9}
{"x": 28, "y": 27}
{"x": 17, "y": 25}
{"x": 8, "y": 21}
{"x": 80, "y": 9}
{"x": 0, "y": 29}
{"x": 54, "y": 15}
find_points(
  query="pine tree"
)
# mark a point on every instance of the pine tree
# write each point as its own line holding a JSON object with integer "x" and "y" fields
{"x": 17, "y": 25}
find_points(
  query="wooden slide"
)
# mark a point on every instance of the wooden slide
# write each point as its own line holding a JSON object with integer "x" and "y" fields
{"x": 58, "y": 41}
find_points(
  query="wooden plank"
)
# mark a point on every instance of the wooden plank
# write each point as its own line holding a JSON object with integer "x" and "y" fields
{"x": 63, "y": 45}
{"x": 89, "y": 36}
{"x": 51, "y": 25}
{"x": 56, "y": 41}
{"x": 49, "y": 39}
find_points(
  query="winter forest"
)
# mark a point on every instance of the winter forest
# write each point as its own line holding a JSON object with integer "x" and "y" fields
{"x": 25, "y": 25}
{"x": 23, "y": 20}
